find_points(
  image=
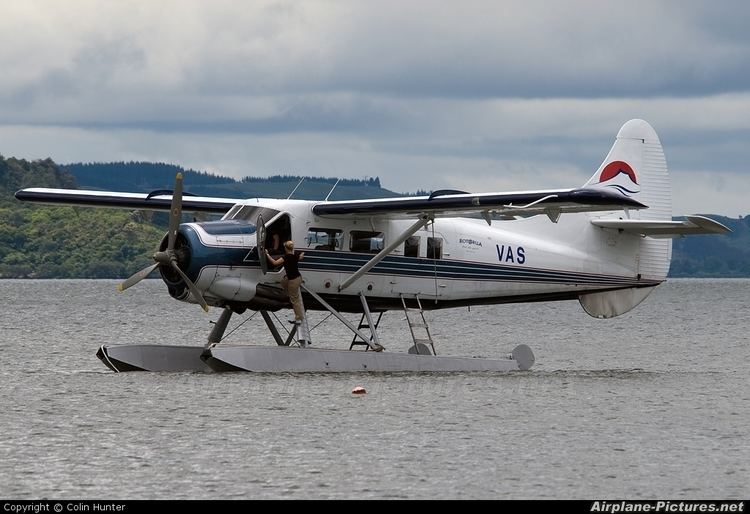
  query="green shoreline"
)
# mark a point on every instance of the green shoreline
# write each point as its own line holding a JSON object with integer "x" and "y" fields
{"x": 68, "y": 242}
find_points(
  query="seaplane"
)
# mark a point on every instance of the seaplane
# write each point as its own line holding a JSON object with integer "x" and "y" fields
{"x": 607, "y": 244}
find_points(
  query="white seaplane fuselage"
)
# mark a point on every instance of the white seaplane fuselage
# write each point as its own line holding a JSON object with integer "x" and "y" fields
{"x": 455, "y": 261}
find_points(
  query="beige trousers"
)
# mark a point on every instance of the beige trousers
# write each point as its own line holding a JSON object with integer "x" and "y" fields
{"x": 292, "y": 289}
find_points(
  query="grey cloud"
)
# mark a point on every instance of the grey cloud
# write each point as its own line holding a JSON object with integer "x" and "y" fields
{"x": 503, "y": 50}
{"x": 410, "y": 91}
{"x": 416, "y": 49}
{"x": 725, "y": 152}
{"x": 163, "y": 113}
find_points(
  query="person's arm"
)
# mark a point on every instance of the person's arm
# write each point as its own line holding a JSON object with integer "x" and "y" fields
{"x": 274, "y": 262}
{"x": 301, "y": 256}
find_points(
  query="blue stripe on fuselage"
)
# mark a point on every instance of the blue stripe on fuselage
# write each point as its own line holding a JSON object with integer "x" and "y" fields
{"x": 348, "y": 262}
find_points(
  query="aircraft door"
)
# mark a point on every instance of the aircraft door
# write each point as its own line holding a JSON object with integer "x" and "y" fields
{"x": 435, "y": 252}
{"x": 426, "y": 249}
{"x": 260, "y": 234}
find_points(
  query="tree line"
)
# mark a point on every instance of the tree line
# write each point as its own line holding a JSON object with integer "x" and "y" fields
{"x": 71, "y": 242}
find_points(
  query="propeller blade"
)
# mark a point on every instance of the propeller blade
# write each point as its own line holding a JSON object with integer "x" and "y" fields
{"x": 136, "y": 277}
{"x": 194, "y": 290}
{"x": 175, "y": 211}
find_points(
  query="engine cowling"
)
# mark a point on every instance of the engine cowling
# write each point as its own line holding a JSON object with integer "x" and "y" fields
{"x": 218, "y": 257}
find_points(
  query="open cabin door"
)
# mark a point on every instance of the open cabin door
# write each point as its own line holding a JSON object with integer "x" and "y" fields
{"x": 271, "y": 236}
{"x": 260, "y": 234}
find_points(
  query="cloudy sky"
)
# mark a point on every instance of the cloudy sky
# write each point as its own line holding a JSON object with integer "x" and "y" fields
{"x": 481, "y": 96}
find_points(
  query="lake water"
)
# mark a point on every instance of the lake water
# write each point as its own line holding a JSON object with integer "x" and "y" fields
{"x": 653, "y": 404}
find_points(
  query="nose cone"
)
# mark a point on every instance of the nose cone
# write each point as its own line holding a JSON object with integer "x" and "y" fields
{"x": 183, "y": 254}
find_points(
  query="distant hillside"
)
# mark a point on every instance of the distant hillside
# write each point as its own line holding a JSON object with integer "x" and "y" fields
{"x": 19, "y": 173}
{"x": 714, "y": 256}
{"x": 67, "y": 242}
{"x": 146, "y": 177}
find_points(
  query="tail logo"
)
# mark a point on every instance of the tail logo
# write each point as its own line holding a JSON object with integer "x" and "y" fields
{"x": 620, "y": 176}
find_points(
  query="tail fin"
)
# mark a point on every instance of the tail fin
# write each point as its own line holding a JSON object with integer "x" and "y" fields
{"x": 636, "y": 167}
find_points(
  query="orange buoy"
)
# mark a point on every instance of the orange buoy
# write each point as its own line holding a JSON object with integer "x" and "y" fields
{"x": 359, "y": 390}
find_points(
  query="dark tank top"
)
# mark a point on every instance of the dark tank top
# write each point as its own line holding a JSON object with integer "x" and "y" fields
{"x": 290, "y": 265}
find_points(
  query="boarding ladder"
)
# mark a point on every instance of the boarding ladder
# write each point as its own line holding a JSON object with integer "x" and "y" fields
{"x": 415, "y": 323}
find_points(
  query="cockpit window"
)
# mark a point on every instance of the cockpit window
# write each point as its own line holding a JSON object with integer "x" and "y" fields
{"x": 228, "y": 227}
{"x": 231, "y": 212}
{"x": 249, "y": 213}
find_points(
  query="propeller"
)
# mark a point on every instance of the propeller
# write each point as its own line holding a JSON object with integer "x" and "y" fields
{"x": 168, "y": 257}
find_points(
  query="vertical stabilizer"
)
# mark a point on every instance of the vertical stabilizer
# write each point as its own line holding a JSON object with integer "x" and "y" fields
{"x": 636, "y": 167}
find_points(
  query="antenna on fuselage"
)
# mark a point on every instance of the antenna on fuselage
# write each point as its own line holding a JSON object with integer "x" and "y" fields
{"x": 331, "y": 191}
{"x": 295, "y": 187}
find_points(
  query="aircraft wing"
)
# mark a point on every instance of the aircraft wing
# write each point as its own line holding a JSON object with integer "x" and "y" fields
{"x": 157, "y": 201}
{"x": 523, "y": 203}
{"x": 691, "y": 225}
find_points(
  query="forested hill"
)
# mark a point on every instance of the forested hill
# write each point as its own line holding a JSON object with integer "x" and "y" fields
{"x": 144, "y": 177}
{"x": 19, "y": 173}
{"x": 726, "y": 255}
{"x": 67, "y": 242}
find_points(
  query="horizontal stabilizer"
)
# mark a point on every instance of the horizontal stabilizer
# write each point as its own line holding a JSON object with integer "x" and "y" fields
{"x": 664, "y": 228}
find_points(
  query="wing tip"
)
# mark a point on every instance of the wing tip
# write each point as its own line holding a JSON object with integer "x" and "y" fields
{"x": 709, "y": 225}
{"x": 601, "y": 197}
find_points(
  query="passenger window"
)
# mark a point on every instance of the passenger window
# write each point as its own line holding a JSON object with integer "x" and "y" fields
{"x": 434, "y": 247}
{"x": 366, "y": 242}
{"x": 411, "y": 247}
{"x": 324, "y": 238}
{"x": 232, "y": 212}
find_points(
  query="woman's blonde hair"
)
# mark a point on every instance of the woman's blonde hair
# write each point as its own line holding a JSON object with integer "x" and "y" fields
{"x": 289, "y": 245}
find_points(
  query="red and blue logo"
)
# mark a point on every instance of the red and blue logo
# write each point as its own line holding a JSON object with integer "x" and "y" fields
{"x": 620, "y": 175}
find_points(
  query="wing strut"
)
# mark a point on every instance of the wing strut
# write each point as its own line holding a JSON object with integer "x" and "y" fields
{"x": 374, "y": 346}
{"x": 421, "y": 222}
